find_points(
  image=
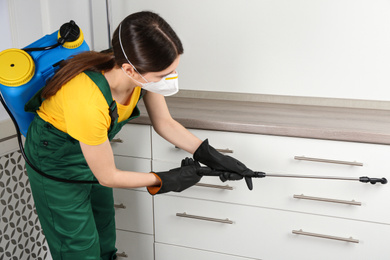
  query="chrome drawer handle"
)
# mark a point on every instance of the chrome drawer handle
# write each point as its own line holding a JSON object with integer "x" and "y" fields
{"x": 185, "y": 215}
{"x": 352, "y": 202}
{"x": 300, "y": 232}
{"x": 116, "y": 140}
{"x": 221, "y": 187}
{"x": 304, "y": 158}
{"x": 123, "y": 254}
{"x": 227, "y": 150}
{"x": 119, "y": 206}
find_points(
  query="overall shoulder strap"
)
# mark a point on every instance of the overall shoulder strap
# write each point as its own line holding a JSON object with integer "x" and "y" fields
{"x": 35, "y": 102}
{"x": 102, "y": 84}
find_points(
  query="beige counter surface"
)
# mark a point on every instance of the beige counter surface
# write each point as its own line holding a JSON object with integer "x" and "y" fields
{"x": 307, "y": 121}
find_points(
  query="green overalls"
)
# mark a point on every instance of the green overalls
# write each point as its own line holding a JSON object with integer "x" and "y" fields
{"x": 77, "y": 219}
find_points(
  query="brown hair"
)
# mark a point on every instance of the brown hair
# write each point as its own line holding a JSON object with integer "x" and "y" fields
{"x": 148, "y": 40}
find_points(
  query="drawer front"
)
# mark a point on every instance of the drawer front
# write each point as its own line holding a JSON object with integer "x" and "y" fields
{"x": 133, "y": 140}
{"x": 327, "y": 197}
{"x": 133, "y": 210}
{"x": 133, "y": 164}
{"x": 261, "y": 233}
{"x": 275, "y": 154}
{"x": 353, "y": 200}
{"x": 169, "y": 252}
{"x": 134, "y": 246}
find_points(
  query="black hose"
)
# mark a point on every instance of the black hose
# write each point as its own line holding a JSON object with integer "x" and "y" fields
{"x": 42, "y": 48}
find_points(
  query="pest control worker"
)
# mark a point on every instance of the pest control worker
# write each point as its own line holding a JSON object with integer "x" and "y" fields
{"x": 84, "y": 105}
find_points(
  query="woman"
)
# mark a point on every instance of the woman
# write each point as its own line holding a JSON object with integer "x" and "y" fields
{"x": 70, "y": 136}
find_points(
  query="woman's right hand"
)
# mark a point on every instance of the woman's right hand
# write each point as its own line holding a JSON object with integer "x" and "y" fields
{"x": 177, "y": 179}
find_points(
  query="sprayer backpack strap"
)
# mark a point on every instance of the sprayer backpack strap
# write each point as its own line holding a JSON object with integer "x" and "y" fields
{"x": 35, "y": 102}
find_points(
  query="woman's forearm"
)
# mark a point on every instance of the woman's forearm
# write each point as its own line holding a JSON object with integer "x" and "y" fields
{"x": 175, "y": 133}
{"x": 100, "y": 160}
{"x": 127, "y": 179}
{"x": 166, "y": 126}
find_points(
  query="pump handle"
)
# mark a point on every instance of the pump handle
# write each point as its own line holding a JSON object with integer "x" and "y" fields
{"x": 69, "y": 32}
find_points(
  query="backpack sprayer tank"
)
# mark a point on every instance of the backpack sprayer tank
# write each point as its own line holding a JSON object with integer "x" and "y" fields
{"x": 25, "y": 71}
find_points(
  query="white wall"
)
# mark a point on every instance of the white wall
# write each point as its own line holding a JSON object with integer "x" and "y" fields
{"x": 322, "y": 48}
{"x": 23, "y": 22}
{"x": 5, "y": 30}
{"x": 6, "y": 41}
{"x": 32, "y": 19}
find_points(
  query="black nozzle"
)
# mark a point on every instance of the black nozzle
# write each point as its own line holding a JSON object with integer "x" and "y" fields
{"x": 69, "y": 32}
{"x": 259, "y": 174}
{"x": 373, "y": 180}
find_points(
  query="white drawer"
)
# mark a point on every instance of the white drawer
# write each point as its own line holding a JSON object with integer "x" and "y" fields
{"x": 132, "y": 164}
{"x": 134, "y": 246}
{"x": 133, "y": 210}
{"x": 169, "y": 252}
{"x": 278, "y": 193}
{"x": 275, "y": 154}
{"x": 133, "y": 140}
{"x": 265, "y": 233}
{"x": 275, "y": 192}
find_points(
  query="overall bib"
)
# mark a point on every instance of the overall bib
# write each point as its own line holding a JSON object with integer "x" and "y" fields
{"x": 78, "y": 220}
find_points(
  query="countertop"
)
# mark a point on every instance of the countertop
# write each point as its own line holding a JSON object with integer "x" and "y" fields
{"x": 306, "y": 121}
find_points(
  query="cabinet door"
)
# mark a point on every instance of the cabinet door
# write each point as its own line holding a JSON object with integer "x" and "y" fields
{"x": 255, "y": 232}
{"x": 170, "y": 252}
{"x": 133, "y": 140}
{"x": 133, "y": 210}
{"x": 134, "y": 246}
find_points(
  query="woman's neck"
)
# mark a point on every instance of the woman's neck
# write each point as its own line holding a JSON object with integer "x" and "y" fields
{"x": 120, "y": 85}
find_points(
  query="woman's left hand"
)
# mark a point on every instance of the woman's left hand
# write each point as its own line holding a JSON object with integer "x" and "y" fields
{"x": 207, "y": 155}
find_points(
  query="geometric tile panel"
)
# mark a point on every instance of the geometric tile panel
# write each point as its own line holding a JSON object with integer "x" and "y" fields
{"x": 21, "y": 235}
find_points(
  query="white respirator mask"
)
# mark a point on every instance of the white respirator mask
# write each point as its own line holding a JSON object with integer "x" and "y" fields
{"x": 167, "y": 86}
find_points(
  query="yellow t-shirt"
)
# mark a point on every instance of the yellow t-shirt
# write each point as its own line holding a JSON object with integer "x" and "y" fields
{"x": 80, "y": 110}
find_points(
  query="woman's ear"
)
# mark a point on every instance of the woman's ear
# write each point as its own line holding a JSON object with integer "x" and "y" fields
{"x": 128, "y": 69}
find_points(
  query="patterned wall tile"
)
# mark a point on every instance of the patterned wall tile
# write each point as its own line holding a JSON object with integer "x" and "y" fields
{"x": 21, "y": 235}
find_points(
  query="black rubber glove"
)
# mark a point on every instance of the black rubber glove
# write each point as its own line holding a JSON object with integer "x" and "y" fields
{"x": 207, "y": 155}
{"x": 177, "y": 179}
{"x": 230, "y": 176}
{"x": 225, "y": 176}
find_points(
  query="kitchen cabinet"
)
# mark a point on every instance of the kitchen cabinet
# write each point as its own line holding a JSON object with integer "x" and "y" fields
{"x": 169, "y": 252}
{"x": 133, "y": 211}
{"x": 263, "y": 233}
{"x": 134, "y": 246}
{"x": 264, "y": 219}
{"x": 308, "y": 218}
{"x": 133, "y": 207}
{"x": 133, "y": 141}
{"x": 281, "y": 218}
